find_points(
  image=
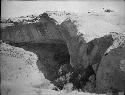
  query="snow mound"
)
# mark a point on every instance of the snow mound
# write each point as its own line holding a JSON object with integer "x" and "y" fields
{"x": 19, "y": 72}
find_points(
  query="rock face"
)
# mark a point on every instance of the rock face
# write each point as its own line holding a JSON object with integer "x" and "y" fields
{"x": 39, "y": 32}
{"x": 42, "y": 38}
{"x": 111, "y": 71}
{"x": 75, "y": 43}
{"x": 97, "y": 48}
{"x": 64, "y": 56}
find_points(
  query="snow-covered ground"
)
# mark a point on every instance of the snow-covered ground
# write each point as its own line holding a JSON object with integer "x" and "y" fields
{"x": 90, "y": 17}
{"x": 93, "y": 24}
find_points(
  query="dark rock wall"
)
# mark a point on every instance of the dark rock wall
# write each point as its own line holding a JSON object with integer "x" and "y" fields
{"x": 33, "y": 32}
{"x": 75, "y": 43}
{"x": 97, "y": 48}
{"x": 111, "y": 71}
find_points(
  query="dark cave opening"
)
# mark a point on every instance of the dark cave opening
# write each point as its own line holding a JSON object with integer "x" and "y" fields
{"x": 52, "y": 57}
{"x": 80, "y": 78}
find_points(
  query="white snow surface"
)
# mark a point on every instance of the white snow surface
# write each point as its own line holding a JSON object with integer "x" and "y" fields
{"x": 95, "y": 25}
{"x": 92, "y": 25}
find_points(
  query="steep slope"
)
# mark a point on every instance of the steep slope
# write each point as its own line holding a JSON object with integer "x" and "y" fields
{"x": 42, "y": 31}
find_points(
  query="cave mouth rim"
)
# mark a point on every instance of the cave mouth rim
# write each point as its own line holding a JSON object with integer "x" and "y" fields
{"x": 22, "y": 45}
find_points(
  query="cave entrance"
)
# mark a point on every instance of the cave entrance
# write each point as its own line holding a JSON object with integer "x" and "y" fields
{"x": 51, "y": 56}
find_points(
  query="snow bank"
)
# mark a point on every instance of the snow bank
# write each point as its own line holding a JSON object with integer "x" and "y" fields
{"x": 92, "y": 25}
{"x": 95, "y": 25}
{"x": 19, "y": 72}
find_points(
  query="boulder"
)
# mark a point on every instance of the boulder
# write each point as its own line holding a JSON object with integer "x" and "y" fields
{"x": 76, "y": 44}
{"x": 97, "y": 48}
{"x": 111, "y": 71}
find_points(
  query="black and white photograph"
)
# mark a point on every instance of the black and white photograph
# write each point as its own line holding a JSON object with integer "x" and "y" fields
{"x": 62, "y": 47}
